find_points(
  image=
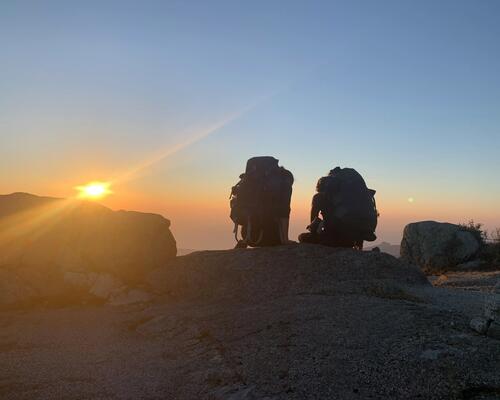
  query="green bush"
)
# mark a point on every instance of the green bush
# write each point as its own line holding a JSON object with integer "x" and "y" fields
{"x": 490, "y": 242}
{"x": 495, "y": 236}
{"x": 494, "y": 247}
{"x": 477, "y": 230}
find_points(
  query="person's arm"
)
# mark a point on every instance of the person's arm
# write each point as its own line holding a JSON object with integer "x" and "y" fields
{"x": 315, "y": 207}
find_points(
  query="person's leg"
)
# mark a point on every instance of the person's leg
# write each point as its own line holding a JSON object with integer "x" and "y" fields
{"x": 241, "y": 245}
{"x": 358, "y": 244}
{"x": 308, "y": 237}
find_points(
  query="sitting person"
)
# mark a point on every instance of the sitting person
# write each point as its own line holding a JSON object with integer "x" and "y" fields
{"x": 343, "y": 212}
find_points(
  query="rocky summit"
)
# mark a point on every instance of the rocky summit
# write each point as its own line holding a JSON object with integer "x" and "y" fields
{"x": 291, "y": 322}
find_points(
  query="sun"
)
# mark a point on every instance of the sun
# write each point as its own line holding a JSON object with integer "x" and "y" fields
{"x": 93, "y": 190}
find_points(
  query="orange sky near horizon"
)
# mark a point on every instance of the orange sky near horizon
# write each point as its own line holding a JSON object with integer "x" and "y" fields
{"x": 187, "y": 184}
{"x": 203, "y": 222}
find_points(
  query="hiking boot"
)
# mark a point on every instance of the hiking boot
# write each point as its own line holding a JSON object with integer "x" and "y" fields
{"x": 241, "y": 244}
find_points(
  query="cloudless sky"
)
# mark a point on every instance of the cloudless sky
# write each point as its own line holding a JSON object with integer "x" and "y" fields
{"x": 406, "y": 92}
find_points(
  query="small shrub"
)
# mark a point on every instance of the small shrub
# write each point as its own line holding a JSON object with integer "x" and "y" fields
{"x": 490, "y": 243}
{"x": 491, "y": 255}
{"x": 477, "y": 231}
{"x": 495, "y": 236}
{"x": 494, "y": 247}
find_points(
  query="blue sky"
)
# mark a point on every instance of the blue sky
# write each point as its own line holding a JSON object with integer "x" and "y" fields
{"x": 407, "y": 92}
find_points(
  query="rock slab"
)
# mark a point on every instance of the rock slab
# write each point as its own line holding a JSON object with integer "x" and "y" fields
{"x": 287, "y": 323}
{"x": 238, "y": 274}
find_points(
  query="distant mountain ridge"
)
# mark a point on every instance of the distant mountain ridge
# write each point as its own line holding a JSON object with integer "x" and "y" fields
{"x": 389, "y": 248}
{"x": 184, "y": 252}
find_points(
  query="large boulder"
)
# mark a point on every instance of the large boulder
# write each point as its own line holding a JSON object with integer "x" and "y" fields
{"x": 437, "y": 247}
{"x": 43, "y": 239}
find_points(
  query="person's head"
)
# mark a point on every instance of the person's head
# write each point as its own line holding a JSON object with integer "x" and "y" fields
{"x": 321, "y": 185}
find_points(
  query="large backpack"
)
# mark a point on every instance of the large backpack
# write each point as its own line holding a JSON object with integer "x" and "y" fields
{"x": 260, "y": 200}
{"x": 351, "y": 206}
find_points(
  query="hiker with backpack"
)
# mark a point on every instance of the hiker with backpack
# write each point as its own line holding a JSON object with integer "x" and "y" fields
{"x": 260, "y": 203}
{"x": 343, "y": 211}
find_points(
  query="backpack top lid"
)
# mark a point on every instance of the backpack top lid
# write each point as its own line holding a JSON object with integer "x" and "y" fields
{"x": 261, "y": 164}
{"x": 348, "y": 175}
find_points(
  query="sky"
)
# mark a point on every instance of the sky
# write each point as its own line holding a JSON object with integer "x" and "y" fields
{"x": 169, "y": 99}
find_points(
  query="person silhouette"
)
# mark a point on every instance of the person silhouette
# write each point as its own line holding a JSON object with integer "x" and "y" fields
{"x": 343, "y": 212}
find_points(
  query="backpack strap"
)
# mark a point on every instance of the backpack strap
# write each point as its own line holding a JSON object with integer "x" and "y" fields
{"x": 259, "y": 240}
{"x": 283, "y": 227}
{"x": 235, "y": 231}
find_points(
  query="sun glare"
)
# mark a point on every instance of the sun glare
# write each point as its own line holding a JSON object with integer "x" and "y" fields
{"x": 94, "y": 190}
